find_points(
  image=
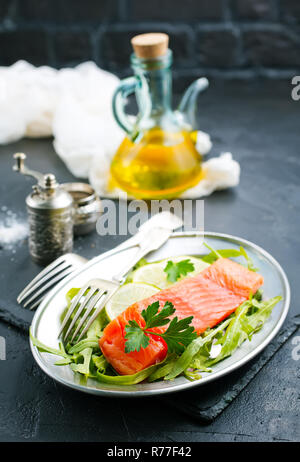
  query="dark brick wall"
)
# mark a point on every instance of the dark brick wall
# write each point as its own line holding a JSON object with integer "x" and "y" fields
{"x": 223, "y": 38}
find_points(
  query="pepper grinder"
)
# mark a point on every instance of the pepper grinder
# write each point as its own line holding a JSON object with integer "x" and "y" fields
{"x": 49, "y": 209}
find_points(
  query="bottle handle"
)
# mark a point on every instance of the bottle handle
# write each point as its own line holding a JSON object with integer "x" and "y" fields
{"x": 135, "y": 84}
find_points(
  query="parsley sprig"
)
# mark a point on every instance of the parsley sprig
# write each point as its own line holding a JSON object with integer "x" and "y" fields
{"x": 178, "y": 335}
{"x": 175, "y": 270}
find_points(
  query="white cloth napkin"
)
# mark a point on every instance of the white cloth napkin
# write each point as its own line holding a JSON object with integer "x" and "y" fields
{"x": 74, "y": 105}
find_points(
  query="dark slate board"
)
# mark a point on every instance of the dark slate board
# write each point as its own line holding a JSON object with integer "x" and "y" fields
{"x": 205, "y": 403}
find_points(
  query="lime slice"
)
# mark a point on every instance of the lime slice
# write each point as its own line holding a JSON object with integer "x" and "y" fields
{"x": 153, "y": 273}
{"x": 126, "y": 296}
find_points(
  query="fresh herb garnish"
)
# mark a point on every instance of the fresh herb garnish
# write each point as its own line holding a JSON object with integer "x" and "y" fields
{"x": 176, "y": 270}
{"x": 228, "y": 253}
{"x": 178, "y": 335}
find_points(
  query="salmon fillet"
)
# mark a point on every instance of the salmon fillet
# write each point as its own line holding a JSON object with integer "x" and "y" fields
{"x": 233, "y": 276}
{"x": 199, "y": 297}
{"x": 209, "y": 297}
{"x": 112, "y": 344}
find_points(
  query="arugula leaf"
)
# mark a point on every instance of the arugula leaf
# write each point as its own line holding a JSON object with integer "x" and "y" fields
{"x": 228, "y": 253}
{"x": 249, "y": 261}
{"x": 177, "y": 336}
{"x": 193, "y": 348}
{"x": 176, "y": 270}
{"x": 230, "y": 334}
{"x": 254, "y": 322}
{"x": 235, "y": 334}
{"x": 214, "y": 252}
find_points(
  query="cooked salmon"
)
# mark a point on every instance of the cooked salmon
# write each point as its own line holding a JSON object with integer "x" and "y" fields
{"x": 233, "y": 276}
{"x": 112, "y": 344}
{"x": 199, "y": 297}
{"x": 209, "y": 297}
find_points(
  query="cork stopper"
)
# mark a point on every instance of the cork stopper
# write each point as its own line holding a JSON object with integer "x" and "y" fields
{"x": 150, "y": 45}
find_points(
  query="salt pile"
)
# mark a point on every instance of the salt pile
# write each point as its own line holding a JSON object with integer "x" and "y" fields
{"x": 12, "y": 230}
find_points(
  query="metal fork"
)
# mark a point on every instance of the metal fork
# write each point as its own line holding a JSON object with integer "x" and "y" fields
{"x": 60, "y": 268}
{"x": 63, "y": 266}
{"x": 85, "y": 303}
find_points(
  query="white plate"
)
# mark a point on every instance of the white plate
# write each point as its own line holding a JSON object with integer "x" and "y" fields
{"x": 45, "y": 324}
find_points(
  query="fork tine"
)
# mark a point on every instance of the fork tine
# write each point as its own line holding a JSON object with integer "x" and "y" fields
{"x": 57, "y": 270}
{"x": 107, "y": 296}
{"x": 46, "y": 286}
{"x": 37, "y": 302}
{"x": 73, "y": 305}
{"x": 80, "y": 309}
{"x": 89, "y": 308}
{"x": 45, "y": 271}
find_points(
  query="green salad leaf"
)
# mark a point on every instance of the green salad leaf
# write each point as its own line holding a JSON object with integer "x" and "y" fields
{"x": 235, "y": 334}
{"x": 228, "y": 253}
{"x": 185, "y": 359}
{"x": 249, "y": 317}
{"x": 100, "y": 363}
{"x": 84, "y": 367}
{"x": 83, "y": 344}
{"x": 131, "y": 379}
{"x": 46, "y": 349}
{"x": 163, "y": 369}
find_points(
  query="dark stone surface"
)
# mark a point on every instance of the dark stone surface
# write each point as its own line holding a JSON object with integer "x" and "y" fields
{"x": 28, "y": 44}
{"x": 259, "y": 124}
{"x": 116, "y": 46}
{"x": 272, "y": 47}
{"x": 216, "y": 397}
{"x": 4, "y": 8}
{"x": 254, "y": 9}
{"x": 217, "y": 47}
{"x": 189, "y": 10}
{"x": 290, "y": 11}
{"x": 72, "y": 47}
{"x": 271, "y": 36}
{"x": 67, "y": 10}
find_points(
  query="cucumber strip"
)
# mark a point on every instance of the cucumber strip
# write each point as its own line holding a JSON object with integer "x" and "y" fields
{"x": 127, "y": 379}
{"x": 44, "y": 348}
{"x": 162, "y": 371}
{"x": 85, "y": 343}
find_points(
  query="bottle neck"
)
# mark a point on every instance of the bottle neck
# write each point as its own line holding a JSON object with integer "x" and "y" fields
{"x": 158, "y": 75}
